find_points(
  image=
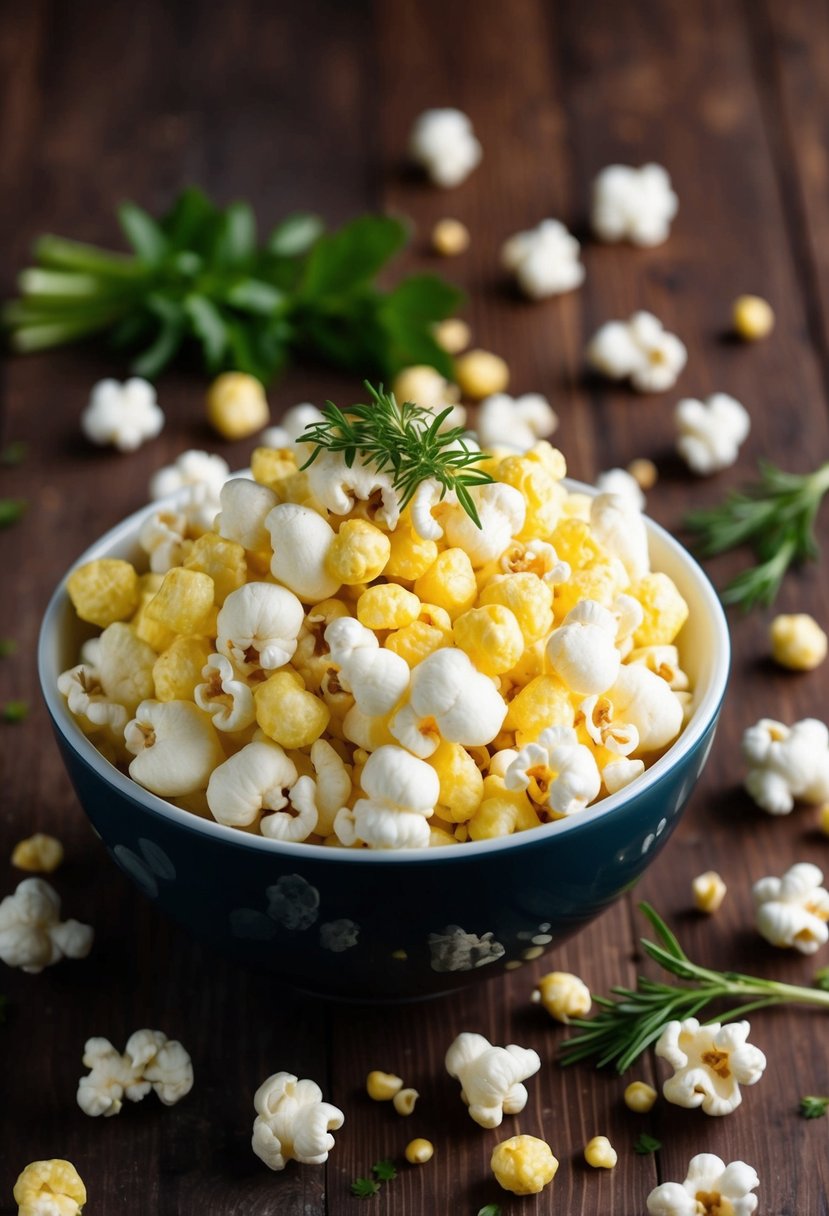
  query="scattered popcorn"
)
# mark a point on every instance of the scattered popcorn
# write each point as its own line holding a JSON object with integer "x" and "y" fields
{"x": 236, "y": 405}
{"x": 644, "y": 472}
{"x": 191, "y": 469}
{"x": 793, "y": 910}
{"x": 450, "y": 237}
{"x": 710, "y": 1188}
{"x": 39, "y": 854}
{"x": 787, "y": 763}
{"x": 292, "y": 1122}
{"x": 623, "y": 484}
{"x": 404, "y": 1101}
{"x": 491, "y": 1077}
{"x": 544, "y": 260}
{"x": 563, "y": 995}
{"x": 150, "y": 1061}
{"x": 452, "y": 335}
{"x": 50, "y": 1188}
{"x": 708, "y": 891}
{"x": 639, "y": 350}
{"x": 600, "y": 1153}
{"x": 288, "y": 432}
{"x": 515, "y": 423}
{"x": 32, "y": 935}
{"x": 710, "y": 1064}
{"x": 382, "y": 1086}
{"x": 797, "y": 642}
{"x": 635, "y": 205}
{"x": 430, "y": 390}
{"x": 443, "y": 143}
{"x": 122, "y": 415}
{"x": 640, "y": 1097}
{"x": 401, "y": 795}
{"x": 419, "y": 1151}
{"x": 523, "y": 1164}
{"x": 480, "y": 373}
{"x": 752, "y": 318}
{"x": 709, "y": 433}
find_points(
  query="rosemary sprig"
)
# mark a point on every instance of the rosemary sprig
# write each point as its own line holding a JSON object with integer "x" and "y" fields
{"x": 775, "y": 516}
{"x": 404, "y": 440}
{"x": 635, "y": 1017}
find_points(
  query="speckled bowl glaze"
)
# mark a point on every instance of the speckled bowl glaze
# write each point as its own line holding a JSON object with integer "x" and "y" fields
{"x": 363, "y": 925}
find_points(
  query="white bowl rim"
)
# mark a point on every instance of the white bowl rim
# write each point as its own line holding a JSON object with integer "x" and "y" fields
{"x": 697, "y": 726}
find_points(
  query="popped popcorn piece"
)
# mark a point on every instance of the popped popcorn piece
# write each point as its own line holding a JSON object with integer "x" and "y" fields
{"x": 88, "y": 701}
{"x": 103, "y": 591}
{"x": 150, "y": 1061}
{"x": 491, "y": 637}
{"x": 786, "y": 763}
{"x": 708, "y": 891}
{"x": 301, "y": 539}
{"x": 224, "y": 695}
{"x": 557, "y": 772}
{"x": 709, "y": 433}
{"x": 419, "y": 1151}
{"x": 582, "y": 650}
{"x": 125, "y": 665}
{"x": 382, "y": 1086}
{"x": 600, "y": 1153}
{"x": 259, "y": 785}
{"x": 452, "y": 335}
{"x": 237, "y": 405}
{"x": 544, "y": 260}
{"x": 223, "y": 560}
{"x": 563, "y": 995}
{"x": 175, "y": 747}
{"x": 448, "y": 699}
{"x": 605, "y": 729}
{"x": 514, "y": 422}
{"x": 619, "y": 773}
{"x": 528, "y": 597}
{"x": 32, "y": 935}
{"x": 376, "y": 677}
{"x": 258, "y": 627}
{"x": 644, "y": 472}
{"x": 426, "y": 387}
{"x": 405, "y": 1100}
{"x": 443, "y": 143}
{"x": 183, "y": 602}
{"x": 640, "y": 1097}
{"x": 340, "y": 486}
{"x": 622, "y": 484}
{"x": 287, "y": 712}
{"x": 123, "y": 415}
{"x": 49, "y": 1188}
{"x": 665, "y": 611}
{"x": 534, "y": 557}
{"x": 38, "y": 854}
{"x": 178, "y": 670}
{"x": 640, "y": 350}
{"x": 710, "y": 1187}
{"x": 635, "y": 205}
{"x": 401, "y": 795}
{"x": 358, "y": 553}
{"x": 798, "y": 642}
{"x": 480, "y": 373}
{"x": 619, "y": 528}
{"x": 752, "y": 318}
{"x": 501, "y": 511}
{"x": 288, "y": 432}
{"x": 645, "y": 701}
{"x": 793, "y": 910}
{"x": 450, "y": 237}
{"x": 163, "y": 537}
{"x": 523, "y": 1165}
{"x": 663, "y": 661}
{"x": 491, "y": 1077}
{"x": 710, "y": 1064}
{"x": 387, "y": 606}
{"x": 245, "y": 506}
{"x": 192, "y": 468}
{"x": 292, "y": 1122}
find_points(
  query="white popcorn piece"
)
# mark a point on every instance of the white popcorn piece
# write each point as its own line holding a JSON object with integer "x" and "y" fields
{"x": 491, "y": 1077}
{"x": 635, "y": 205}
{"x": 663, "y": 661}
{"x": 710, "y": 1187}
{"x": 174, "y": 745}
{"x": 340, "y": 487}
{"x": 245, "y": 506}
{"x": 645, "y": 701}
{"x": 605, "y": 729}
{"x": 301, "y": 539}
{"x": 501, "y": 509}
{"x": 623, "y": 485}
{"x": 640, "y": 350}
{"x": 333, "y": 784}
{"x": 620, "y": 528}
{"x": 544, "y": 260}
{"x": 125, "y": 665}
{"x": 535, "y": 557}
{"x": 375, "y": 676}
{"x": 258, "y": 626}
{"x": 448, "y": 699}
{"x": 709, "y": 433}
{"x": 787, "y": 764}
{"x": 556, "y": 771}
{"x": 516, "y": 423}
{"x": 401, "y": 795}
{"x": 620, "y": 773}
{"x": 443, "y": 143}
{"x": 122, "y": 415}
{"x": 260, "y": 784}
{"x": 288, "y": 433}
{"x": 163, "y": 537}
{"x": 32, "y": 935}
{"x": 150, "y": 1061}
{"x": 87, "y": 698}
{"x": 429, "y": 495}
{"x": 793, "y": 910}
{"x": 629, "y": 616}
{"x": 292, "y": 1122}
{"x": 191, "y": 468}
{"x": 224, "y": 695}
{"x": 710, "y": 1064}
{"x": 582, "y": 650}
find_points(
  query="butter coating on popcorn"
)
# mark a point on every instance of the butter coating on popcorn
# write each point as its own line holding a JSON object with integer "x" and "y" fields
{"x": 50, "y": 1188}
{"x": 32, "y": 935}
{"x": 292, "y": 1122}
{"x": 491, "y": 1077}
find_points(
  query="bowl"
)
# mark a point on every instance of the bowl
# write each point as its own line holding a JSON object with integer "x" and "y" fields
{"x": 385, "y": 926}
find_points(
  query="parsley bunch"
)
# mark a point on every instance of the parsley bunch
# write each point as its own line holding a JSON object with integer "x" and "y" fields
{"x": 198, "y": 277}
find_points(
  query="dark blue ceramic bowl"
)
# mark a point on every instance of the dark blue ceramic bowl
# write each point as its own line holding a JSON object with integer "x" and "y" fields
{"x": 402, "y": 925}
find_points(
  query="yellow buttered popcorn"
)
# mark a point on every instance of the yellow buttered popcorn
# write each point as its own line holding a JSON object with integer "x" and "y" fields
{"x": 387, "y": 606}
{"x": 178, "y": 669}
{"x": 237, "y": 405}
{"x": 544, "y": 701}
{"x": 502, "y": 812}
{"x": 665, "y": 611}
{"x": 461, "y": 783}
{"x": 38, "y": 854}
{"x": 184, "y": 600}
{"x": 150, "y": 631}
{"x": 358, "y": 553}
{"x": 53, "y": 1186}
{"x": 529, "y": 599}
{"x": 224, "y": 561}
{"x": 797, "y": 642}
{"x": 104, "y": 591}
{"x": 491, "y": 636}
{"x": 538, "y": 479}
{"x": 449, "y": 582}
{"x": 270, "y": 466}
{"x": 415, "y": 642}
{"x": 287, "y": 712}
{"x": 523, "y": 1164}
{"x": 410, "y": 555}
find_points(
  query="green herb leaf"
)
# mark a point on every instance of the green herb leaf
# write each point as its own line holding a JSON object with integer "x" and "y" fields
{"x": 490, "y": 1209}
{"x": 15, "y": 711}
{"x": 812, "y": 1107}
{"x": 209, "y": 328}
{"x": 364, "y": 1188}
{"x": 646, "y": 1144}
{"x": 13, "y": 453}
{"x": 11, "y": 510}
{"x": 295, "y": 235}
{"x": 143, "y": 233}
{"x": 821, "y": 979}
{"x": 384, "y": 1171}
{"x": 8, "y": 647}
{"x": 345, "y": 260}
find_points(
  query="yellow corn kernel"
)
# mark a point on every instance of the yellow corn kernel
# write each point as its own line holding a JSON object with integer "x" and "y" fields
{"x": 404, "y": 1100}
{"x": 358, "y": 553}
{"x": 271, "y": 466}
{"x": 103, "y": 591}
{"x": 183, "y": 601}
{"x": 237, "y": 405}
{"x": 149, "y": 631}
{"x": 708, "y": 891}
{"x": 491, "y": 636}
{"x": 479, "y": 373}
{"x": 544, "y": 702}
{"x": 287, "y": 712}
{"x": 178, "y": 669}
{"x": 449, "y": 582}
{"x": 644, "y": 472}
{"x": 752, "y": 318}
{"x": 450, "y": 237}
{"x": 797, "y": 642}
{"x": 502, "y": 812}
{"x": 461, "y": 783}
{"x": 528, "y": 597}
{"x": 39, "y": 854}
{"x": 411, "y": 555}
{"x": 387, "y": 606}
{"x": 523, "y": 1164}
{"x": 563, "y": 995}
{"x": 419, "y": 1151}
{"x": 640, "y": 1097}
{"x": 452, "y": 335}
{"x": 664, "y": 608}
{"x": 600, "y": 1153}
{"x": 50, "y": 1186}
{"x": 382, "y": 1086}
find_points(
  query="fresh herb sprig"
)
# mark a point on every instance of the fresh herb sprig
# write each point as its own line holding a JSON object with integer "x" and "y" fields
{"x": 404, "y": 440}
{"x": 199, "y": 277}
{"x": 645, "y": 1145}
{"x": 775, "y": 516}
{"x": 382, "y": 1171}
{"x": 635, "y": 1017}
{"x": 813, "y": 1107}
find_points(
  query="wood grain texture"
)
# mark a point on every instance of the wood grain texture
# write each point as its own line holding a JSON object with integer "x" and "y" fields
{"x": 311, "y": 107}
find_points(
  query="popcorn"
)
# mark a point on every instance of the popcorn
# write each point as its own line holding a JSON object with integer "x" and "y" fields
{"x": 188, "y": 471}
{"x": 301, "y": 539}
{"x": 797, "y": 642}
{"x": 582, "y": 651}
{"x": 563, "y": 995}
{"x": 640, "y": 1097}
{"x": 377, "y": 677}
{"x": 480, "y": 373}
{"x": 557, "y": 772}
{"x": 617, "y": 525}
{"x": 635, "y": 205}
{"x": 183, "y": 600}
{"x": 49, "y": 1188}
{"x": 461, "y": 783}
{"x": 150, "y": 1061}
{"x": 404, "y": 1101}
{"x": 443, "y": 143}
{"x": 534, "y": 557}
{"x": 622, "y": 484}
{"x": 88, "y": 701}
{"x": 501, "y": 512}
{"x": 123, "y": 415}
{"x": 225, "y": 696}
{"x": 449, "y": 582}
{"x": 387, "y": 606}
{"x": 600, "y": 1153}
{"x": 639, "y": 350}
{"x": 793, "y": 910}
{"x": 708, "y": 891}
{"x": 710, "y": 1064}
{"x": 448, "y": 699}
{"x": 287, "y": 712}
{"x": 544, "y": 260}
{"x": 177, "y": 671}
{"x": 523, "y": 1165}
{"x": 401, "y": 795}
{"x": 664, "y": 609}
{"x": 292, "y": 1122}
{"x": 382, "y": 1086}
{"x": 528, "y": 597}
{"x": 645, "y": 701}
{"x": 125, "y": 665}
{"x": 491, "y": 1077}
{"x": 709, "y": 433}
{"x": 787, "y": 763}
{"x": 359, "y": 553}
{"x": 260, "y": 780}
{"x": 425, "y": 386}
{"x": 38, "y": 854}
{"x": 32, "y": 936}
{"x": 419, "y": 1151}
{"x": 491, "y": 637}
{"x": 163, "y": 537}
{"x": 174, "y": 745}
{"x": 258, "y": 627}
{"x": 288, "y": 433}
{"x": 103, "y": 591}
{"x": 237, "y": 405}
{"x": 340, "y": 487}
{"x": 711, "y": 1183}
{"x": 514, "y": 422}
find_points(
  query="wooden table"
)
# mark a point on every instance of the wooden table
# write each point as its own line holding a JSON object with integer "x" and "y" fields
{"x": 309, "y": 107}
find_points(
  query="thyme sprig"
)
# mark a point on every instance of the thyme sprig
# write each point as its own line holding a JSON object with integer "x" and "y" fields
{"x": 634, "y": 1018}
{"x": 775, "y": 516}
{"x": 404, "y": 440}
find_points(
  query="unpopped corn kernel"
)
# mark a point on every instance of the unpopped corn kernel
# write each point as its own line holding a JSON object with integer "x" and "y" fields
{"x": 382, "y": 1086}
{"x": 453, "y": 335}
{"x": 449, "y": 582}
{"x": 709, "y": 891}
{"x": 600, "y": 1153}
{"x": 479, "y": 374}
{"x": 178, "y": 669}
{"x": 404, "y": 1100}
{"x": 644, "y": 472}
{"x": 38, "y": 854}
{"x": 450, "y": 237}
{"x": 50, "y": 1188}
{"x": 491, "y": 636}
{"x": 640, "y": 1097}
{"x": 419, "y": 1151}
{"x": 523, "y": 1164}
{"x": 237, "y": 405}
{"x": 103, "y": 591}
{"x": 797, "y": 642}
{"x": 287, "y": 712}
{"x": 183, "y": 601}
{"x": 358, "y": 553}
{"x": 752, "y": 317}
